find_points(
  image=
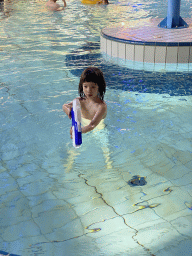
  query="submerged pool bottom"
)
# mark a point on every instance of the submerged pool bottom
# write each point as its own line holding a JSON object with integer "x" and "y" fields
{"x": 124, "y": 77}
{"x": 80, "y": 202}
{"x": 127, "y": 190}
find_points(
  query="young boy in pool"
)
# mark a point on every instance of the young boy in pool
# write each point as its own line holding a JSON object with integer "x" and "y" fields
{"x": 103, "y": 2}
{"x": 92, "y": 88}
{"x": 53, "y": 6}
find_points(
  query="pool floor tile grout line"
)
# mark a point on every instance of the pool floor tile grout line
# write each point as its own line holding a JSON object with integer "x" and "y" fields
{"x": 136, "y": 231}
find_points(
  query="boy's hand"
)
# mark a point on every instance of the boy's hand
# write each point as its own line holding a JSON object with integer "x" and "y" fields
{"x": 71, "y": 132}
{"x": 67, "y": 109}
{"x": 69, "y": 113}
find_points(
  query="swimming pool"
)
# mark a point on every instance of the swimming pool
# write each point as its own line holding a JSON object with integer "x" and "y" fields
{"x": 127, "y": 190}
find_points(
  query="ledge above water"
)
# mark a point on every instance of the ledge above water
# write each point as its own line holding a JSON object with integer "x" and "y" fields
{"x": 144, "y": 45}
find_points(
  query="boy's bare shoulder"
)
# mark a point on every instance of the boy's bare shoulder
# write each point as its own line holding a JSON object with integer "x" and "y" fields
{"x": 53, "y": 6}
{"x": 103, "y": 108}
{"x": 103, "y": 104}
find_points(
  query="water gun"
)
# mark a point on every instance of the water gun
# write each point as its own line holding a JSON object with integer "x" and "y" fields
{"x": 76, "y": 123}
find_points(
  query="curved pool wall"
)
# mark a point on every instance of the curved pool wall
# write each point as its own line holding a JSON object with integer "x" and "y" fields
{"x": 127, "y": 190}
{"x": 146, "y": 46}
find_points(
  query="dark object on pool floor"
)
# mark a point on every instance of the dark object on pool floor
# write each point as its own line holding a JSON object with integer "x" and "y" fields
{"x": 137, "y": 181}
{"x": 7, "y": 254}
{"x": 168, "y": 190}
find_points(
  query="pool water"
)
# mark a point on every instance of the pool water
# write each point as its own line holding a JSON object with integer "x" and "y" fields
{"x": 128, "y": 189}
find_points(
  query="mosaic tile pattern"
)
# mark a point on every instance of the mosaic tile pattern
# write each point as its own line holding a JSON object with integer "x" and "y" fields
{"x": 57, "y": 201}
{"x": 146, "y": 42}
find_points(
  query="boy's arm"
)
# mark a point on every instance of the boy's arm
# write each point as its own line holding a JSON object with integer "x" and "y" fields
{"x": 64, "y": 3}
{"x": 67, "y": 109}
{"x": 101, "y": 113}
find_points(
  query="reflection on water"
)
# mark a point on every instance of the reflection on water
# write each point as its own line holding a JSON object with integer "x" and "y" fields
{"x": 57, "y": 200}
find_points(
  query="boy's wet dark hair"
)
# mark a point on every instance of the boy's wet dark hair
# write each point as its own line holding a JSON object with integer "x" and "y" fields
{"x": 95, "y": 75}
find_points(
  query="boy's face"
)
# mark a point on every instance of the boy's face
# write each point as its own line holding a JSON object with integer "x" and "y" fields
{"x": 90, "y": 89}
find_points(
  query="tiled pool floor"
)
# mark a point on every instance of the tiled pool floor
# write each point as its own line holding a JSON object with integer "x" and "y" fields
{"x": 93, "y": 210}
{"x": 128, "y": 190}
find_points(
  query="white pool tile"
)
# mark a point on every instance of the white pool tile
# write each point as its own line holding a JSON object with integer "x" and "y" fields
{"x": 114, "y": 50}
{"x": 160, "y": 54}
{"x": 109, "y": 47}
{"x": 149, "y": 55}
{"x": 122, "y": 51}
{"x": 183, "y": 54}
{"x": 190, "y": 57}
{"x": 139, "y": 53}
{"x": 130, "y": 52}
{"x": 103, "y": 44}
{"x": 172, "y": 54}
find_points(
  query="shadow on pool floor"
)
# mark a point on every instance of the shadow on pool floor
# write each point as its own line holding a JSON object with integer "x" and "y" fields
{"x": 7, "y": 254}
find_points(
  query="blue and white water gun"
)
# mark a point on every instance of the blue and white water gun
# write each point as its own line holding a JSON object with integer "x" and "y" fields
{"x": 76, "y": 123}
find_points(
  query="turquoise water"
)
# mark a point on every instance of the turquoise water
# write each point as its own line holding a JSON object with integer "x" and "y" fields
{"x": 127, "y": 190}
